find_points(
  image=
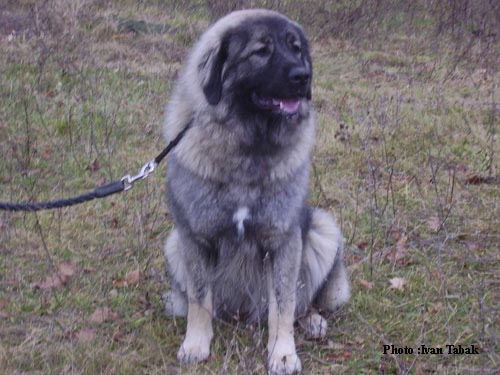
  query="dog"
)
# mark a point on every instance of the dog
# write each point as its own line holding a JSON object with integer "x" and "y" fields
{"x": 245, "y": 244}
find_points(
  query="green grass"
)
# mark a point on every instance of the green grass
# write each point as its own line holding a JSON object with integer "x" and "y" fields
{"x": 403, "y": 130}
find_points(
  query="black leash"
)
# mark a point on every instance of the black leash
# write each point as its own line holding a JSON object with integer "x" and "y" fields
{"x": 125, "y": 183}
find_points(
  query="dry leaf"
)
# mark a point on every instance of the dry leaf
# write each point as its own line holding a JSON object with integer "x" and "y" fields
{"x": 95, "y": 165}
{"x": 4, "y": 302}
{"x": 117, "y": 335}
{"x": 420, "y": 369}
{"x": 131, "y": 278}
{"x": 103, "y": 315}
{"x": 65, "y": 271}
{"x": 363, "y": 245}
{"x": 339, "y": 356}
{"x": 367, "y": 284}
{"x": 33, "y": 172}
{"x": 359, "y": 340}
{"x": 86, "y": 335}
{"x": 437, "y": 275}
{"x": 433, "y": 223}
{"x": 46, "y": 154}
{"x": 397, "y": 283}
{"x": 437, "y": 307}
{"x": 395, "y": 232}
{"x": 53, "y": 281}
{"x": 88, "y": 269}
{"x": 478, "y": 180}
{"x": 400, "y": 249}
{"x": 335, "y": 345}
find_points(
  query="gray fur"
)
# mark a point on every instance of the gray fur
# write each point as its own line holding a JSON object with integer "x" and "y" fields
{"x": 237, "y": 188}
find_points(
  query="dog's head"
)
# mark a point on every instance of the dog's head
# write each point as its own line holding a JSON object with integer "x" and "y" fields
{"x": 260, "y": 63}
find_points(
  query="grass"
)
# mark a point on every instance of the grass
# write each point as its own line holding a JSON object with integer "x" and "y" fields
{"x": 407, "y": 157}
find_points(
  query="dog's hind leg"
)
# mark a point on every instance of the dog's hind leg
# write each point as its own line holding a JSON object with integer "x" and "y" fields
{"x": 313, "y": 325}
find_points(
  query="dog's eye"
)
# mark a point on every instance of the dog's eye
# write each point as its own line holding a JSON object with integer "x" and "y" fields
{"x": 294, "y": 43}
{"x": 262, "y": 51}
{"x": 296, "y": 48}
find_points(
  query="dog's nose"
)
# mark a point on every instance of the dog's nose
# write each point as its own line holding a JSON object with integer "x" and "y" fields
{"x": 299, "y": 75}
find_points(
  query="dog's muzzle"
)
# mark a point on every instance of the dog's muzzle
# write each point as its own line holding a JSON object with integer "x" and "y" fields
{"x": 287, "y": 106}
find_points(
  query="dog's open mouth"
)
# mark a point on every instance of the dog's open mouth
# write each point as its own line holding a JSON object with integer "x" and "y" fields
{"x": 288, "y": 106}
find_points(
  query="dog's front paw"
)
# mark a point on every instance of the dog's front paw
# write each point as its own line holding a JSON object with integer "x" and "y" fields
{"x": 284, "y": 364}
{"x": 194, "y": 350}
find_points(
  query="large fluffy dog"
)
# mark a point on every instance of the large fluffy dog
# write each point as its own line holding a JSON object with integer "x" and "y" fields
{"x": 245, "y": 243}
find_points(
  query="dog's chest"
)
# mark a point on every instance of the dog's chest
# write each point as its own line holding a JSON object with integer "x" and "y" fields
{"x": 211, "y": 208}
{"x": 241, "y": 215}
{"x": 245, "y": 212}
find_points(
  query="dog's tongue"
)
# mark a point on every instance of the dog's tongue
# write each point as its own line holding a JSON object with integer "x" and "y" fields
{"x": 287, "y": 105}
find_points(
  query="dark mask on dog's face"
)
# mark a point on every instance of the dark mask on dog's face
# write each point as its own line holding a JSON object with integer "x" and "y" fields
{"x": 265, "y": 66}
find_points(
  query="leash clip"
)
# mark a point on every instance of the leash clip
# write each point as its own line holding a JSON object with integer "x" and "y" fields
{"x": 146, "y": 169}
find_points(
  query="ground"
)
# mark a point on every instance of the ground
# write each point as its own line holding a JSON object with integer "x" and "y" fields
{"x": 407, "y": 158}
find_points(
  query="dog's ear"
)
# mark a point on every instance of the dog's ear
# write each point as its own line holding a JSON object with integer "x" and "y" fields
{"x": 211, "y": 72}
